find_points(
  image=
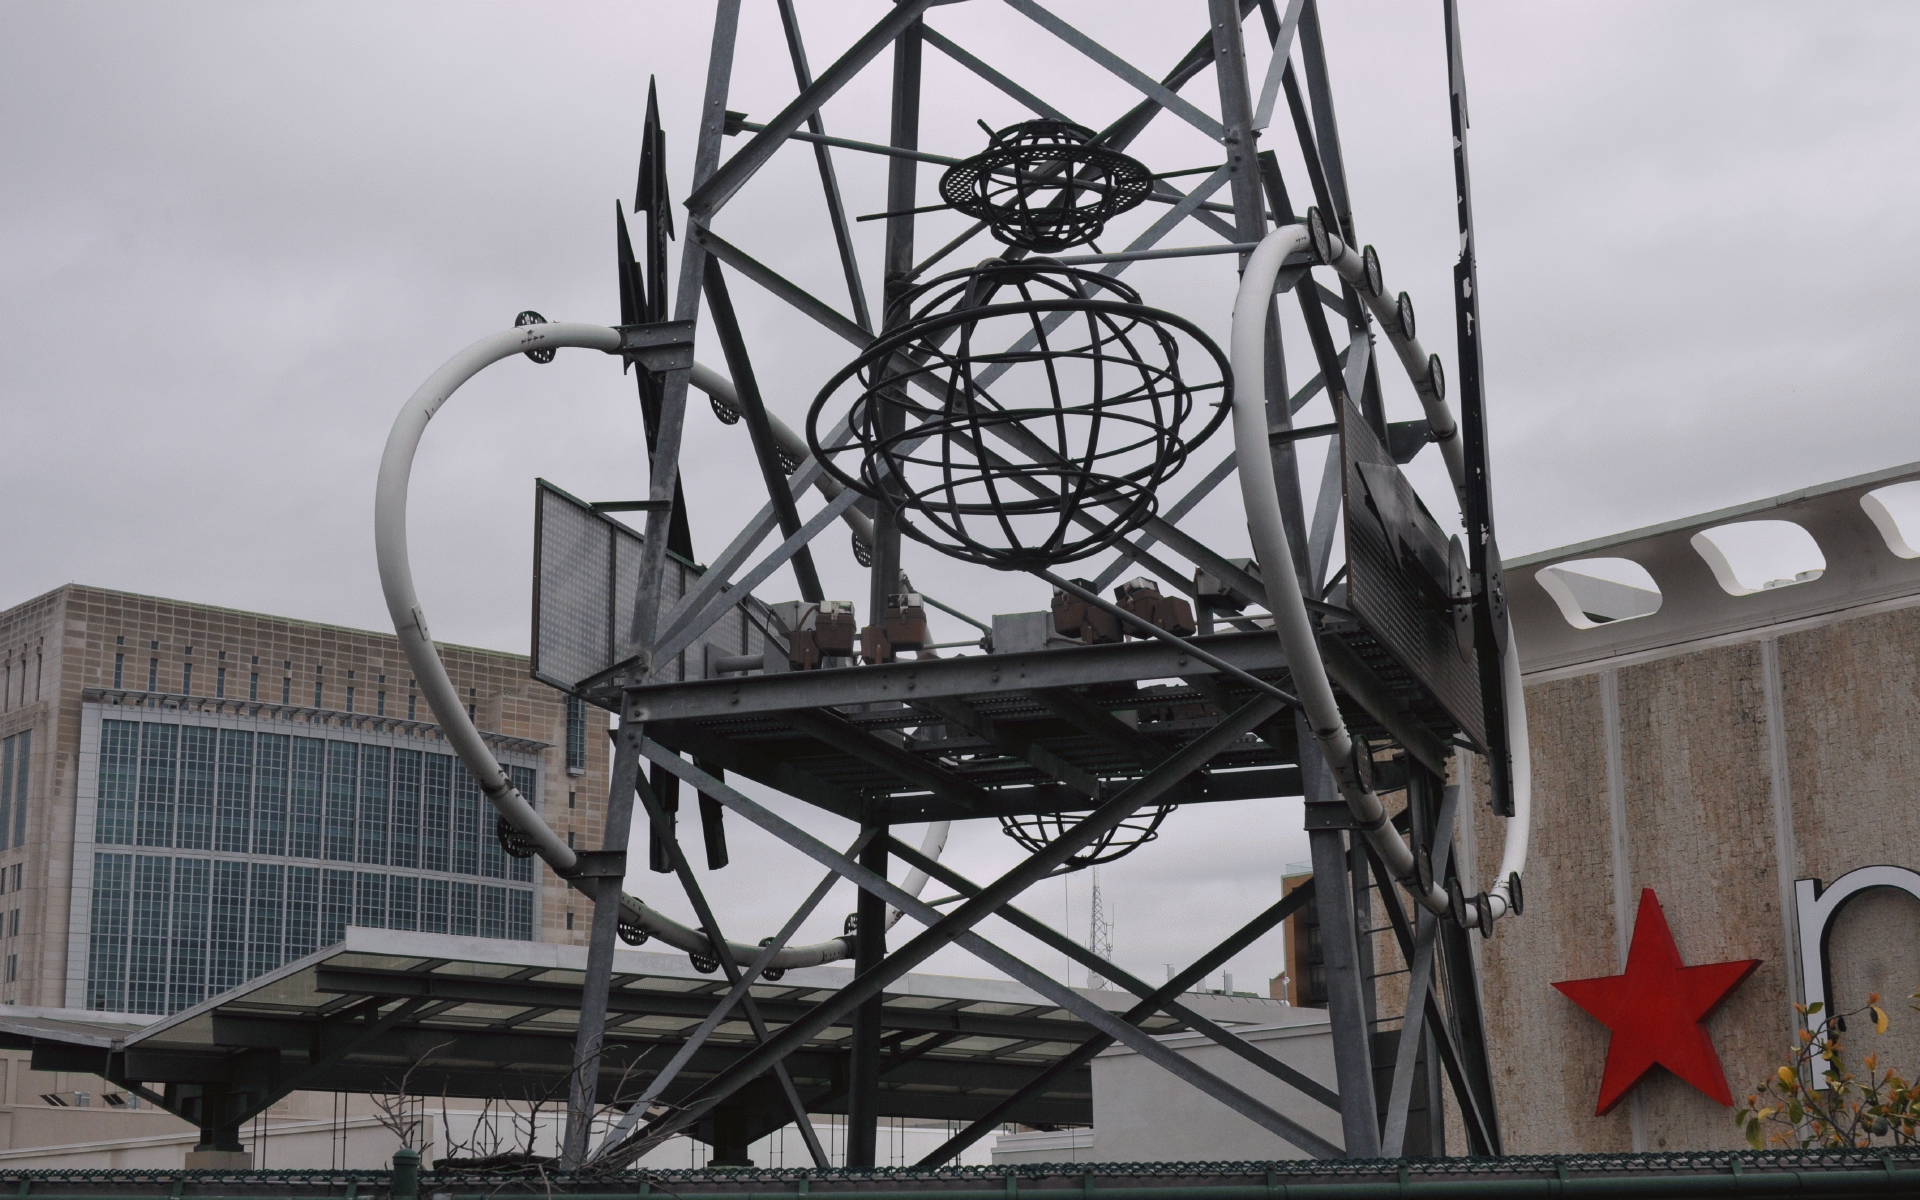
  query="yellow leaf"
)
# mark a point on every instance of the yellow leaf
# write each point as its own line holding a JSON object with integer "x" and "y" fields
{"x": 1879, "y": 1019}
{"x": 1787, "y": 1076}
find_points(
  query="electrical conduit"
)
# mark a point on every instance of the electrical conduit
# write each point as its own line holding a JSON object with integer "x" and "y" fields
{"x": 1271, "y": 548}
{"x": 410, "y": 626}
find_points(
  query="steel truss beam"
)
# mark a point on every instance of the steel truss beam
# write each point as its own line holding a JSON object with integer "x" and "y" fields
{"x": 1201, "y": 967}
{"x": 957, "y": 927}
{"x": 1054, "y": 939}
{"x": 671, "y": 711}
{"x": 740, "y": 982}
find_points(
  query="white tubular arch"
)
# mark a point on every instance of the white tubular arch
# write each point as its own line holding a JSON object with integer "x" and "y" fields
{"x": 1271, "y": 548}
{"x": 410, "y": 626}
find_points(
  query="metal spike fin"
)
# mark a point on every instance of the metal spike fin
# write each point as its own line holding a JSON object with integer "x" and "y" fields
{"x": 650, "y": 190}
{"x": 631, "y": 304}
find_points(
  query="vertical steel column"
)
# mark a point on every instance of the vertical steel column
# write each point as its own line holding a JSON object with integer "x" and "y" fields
{"x": 897, "y": 270}
{"x": 663, "y": 484}
{"x": 1250, "y": 225}
{"x": 1333, "y": 904}
{"x": 1489, "y": 609}
{"x": 610, "y": 867}
{"x": 863, "y": 1067}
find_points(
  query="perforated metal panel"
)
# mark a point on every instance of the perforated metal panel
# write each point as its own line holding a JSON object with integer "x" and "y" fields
{"x": 574, "y": 595}
{"x": 586, "y": 574}
{"x": 1394, "y": 605}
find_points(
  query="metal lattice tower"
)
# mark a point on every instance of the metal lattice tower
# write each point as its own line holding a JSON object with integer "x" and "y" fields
{"x": 1031, "y": 414}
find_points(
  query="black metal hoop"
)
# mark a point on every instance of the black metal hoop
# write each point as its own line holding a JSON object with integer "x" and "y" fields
{"x": 1044, "y": 186}
{"x": 1090, "y": 396}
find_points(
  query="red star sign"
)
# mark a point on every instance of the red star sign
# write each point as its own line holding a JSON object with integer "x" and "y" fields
{"x": 1655, "y": 1009}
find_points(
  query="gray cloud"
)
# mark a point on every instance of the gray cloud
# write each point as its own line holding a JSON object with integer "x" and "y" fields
{"x": 234, "y": 237}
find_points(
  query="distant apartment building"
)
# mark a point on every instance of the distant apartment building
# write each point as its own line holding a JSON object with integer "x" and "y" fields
{"x": 191, "y": 796}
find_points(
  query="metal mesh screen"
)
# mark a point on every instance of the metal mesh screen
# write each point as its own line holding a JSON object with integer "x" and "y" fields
{"x": 1419, "y": 634}
{"x": 586, "y": 574}
{"x": 577, "y": 556}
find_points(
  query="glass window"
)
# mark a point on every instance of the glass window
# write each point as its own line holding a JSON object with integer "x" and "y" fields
{"x": 202, "y": 778}
{"x": 166, "y": 933}
{"x": 233, "y": 816}
{"x": 576, "y": 734}
{"x": 403, "y": 902}
{"x": 466, "y": 822}
{"x": 270, "y": 793}
{"x": 6, "y": 788}
{"x": 119, "y": 669}
{"x": 374, "y": 814}
{"x": 306, "y": 790}
{"x": 406, "y": 809}
{"x": 436, "y": 806}
{"x": 159, "y": 746}
{"x": 303, "y": 911}
{"x": 227, "y": 928}
{"x": 192, "y": 894}
{"x": 153, "y": 674}
{"x": 520, "y": 914}
{"x": 107, "y": 947}
{"x": 370, "y": 900}
{"x": 343, "y": 761}
{"x": 433, "y": 905}
{"x": 119, "y": 771}
{"x": 265, "y": 918}
{"x": 336, "y": 905}
{"x": 520, "y": 870}
{"x": 253, "y": 685}
{"x": 22, "y": 760}
{"x": 220, "y": 682}
{"x": 493, "y": 911}
{"x": 463, "y": 909}
{"x": 148, "y": 951}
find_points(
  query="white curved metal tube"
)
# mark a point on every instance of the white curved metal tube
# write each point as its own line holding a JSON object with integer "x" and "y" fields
{"x": 1272, "y": 549}
{"x": 410, "y": 626}
{"x": 1513, "y": 859}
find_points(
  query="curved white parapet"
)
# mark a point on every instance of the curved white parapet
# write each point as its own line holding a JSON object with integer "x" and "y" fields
{"x": 1867, "y": 558}
{"x": 410, "y": 626}
{"x": 1272, "y": 549}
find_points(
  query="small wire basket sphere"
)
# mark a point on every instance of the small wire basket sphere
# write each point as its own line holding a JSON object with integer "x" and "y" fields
{"x": 1024, "y": 414}
{"x": 1037, "y": 831}
{"x": 1043, "y": 185}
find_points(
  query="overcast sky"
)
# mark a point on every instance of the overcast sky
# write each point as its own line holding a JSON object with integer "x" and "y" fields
{"x": 234, "y": 238}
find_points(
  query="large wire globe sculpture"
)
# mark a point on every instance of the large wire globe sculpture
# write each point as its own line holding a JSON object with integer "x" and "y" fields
{"x": 1044, "y": 186}
{"x": 1021, "y": 414}
{"x": 1036, "y": 831}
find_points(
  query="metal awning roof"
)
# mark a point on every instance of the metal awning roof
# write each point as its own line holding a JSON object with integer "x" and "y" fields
{"x": 478, "y": 1017}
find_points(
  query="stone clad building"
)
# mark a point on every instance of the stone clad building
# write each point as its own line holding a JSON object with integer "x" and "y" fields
{"x": 1742, "y": 747}
{"x": 191, "y": 796}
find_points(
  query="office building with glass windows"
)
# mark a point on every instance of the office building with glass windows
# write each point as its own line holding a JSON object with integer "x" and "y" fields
{"x": 192, "y": 796}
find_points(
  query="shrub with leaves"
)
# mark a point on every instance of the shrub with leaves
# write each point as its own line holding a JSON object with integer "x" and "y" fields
{"x": 1855, "y": 1110}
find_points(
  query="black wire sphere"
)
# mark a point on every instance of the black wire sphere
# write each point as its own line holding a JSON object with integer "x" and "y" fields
{"x": 1022, "y": 414}
{"x": 1039, "y": 830}
{"x": 1044, "y": 186}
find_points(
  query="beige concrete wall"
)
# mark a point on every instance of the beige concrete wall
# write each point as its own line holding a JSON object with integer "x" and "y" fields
{"x": 1546, "y": 1055}
{"x": 1718, "y": 802}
